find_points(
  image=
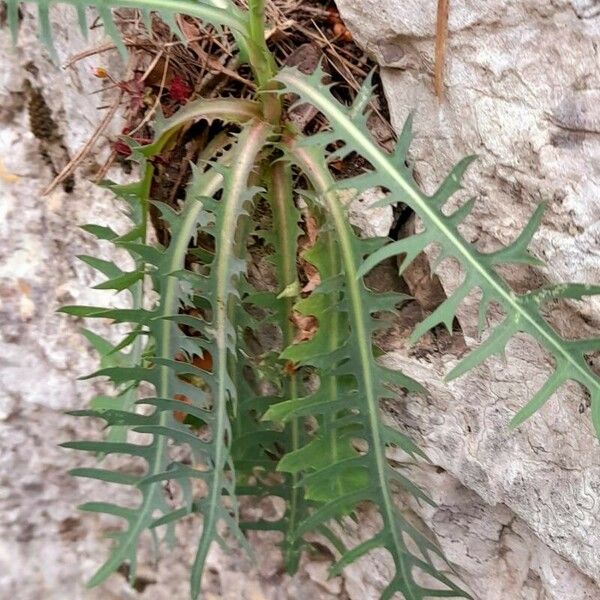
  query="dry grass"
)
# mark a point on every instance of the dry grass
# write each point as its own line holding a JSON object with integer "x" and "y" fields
{"x": 207, "y": 65}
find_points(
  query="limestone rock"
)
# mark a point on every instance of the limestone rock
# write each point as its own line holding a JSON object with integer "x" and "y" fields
{"x": 517, "y": 511}
{"x": 371, "y": 221}
{"x": 521, "y": 83}
{"x": 47, "y": 548}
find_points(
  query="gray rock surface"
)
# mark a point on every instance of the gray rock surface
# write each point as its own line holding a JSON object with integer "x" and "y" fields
{"x": 522, "y": 83}
{"x": 47, "y": 548}
{"x": 518, "y": 512}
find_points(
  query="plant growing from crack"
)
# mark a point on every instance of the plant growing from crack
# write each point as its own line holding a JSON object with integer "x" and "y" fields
{"x": 192, "y": 344}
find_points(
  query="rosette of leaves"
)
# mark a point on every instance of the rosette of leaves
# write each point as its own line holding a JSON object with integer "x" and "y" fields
{"x": 320, "y": 447}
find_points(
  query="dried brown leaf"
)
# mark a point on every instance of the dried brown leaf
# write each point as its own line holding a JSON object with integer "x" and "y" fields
{"x": 306, "y": 327}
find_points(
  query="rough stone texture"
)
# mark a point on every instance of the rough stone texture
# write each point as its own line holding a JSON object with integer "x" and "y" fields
{"x": 517, "y": 512}
{"x": 47, "y": 548}
{"x": 522, "y": 92}
{"x": 372, "y": 222}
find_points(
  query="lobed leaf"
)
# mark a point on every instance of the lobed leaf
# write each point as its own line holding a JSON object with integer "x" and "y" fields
{"x": 361, "y": 475}
{"x": 227, "y": 14}
{"x": 522, "y": 312}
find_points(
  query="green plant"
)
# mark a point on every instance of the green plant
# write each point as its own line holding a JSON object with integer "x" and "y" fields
{"x": 192, "y": 343}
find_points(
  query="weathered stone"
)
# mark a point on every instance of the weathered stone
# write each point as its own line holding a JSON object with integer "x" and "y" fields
{"x": 47, "y": 548}
{"x": 521, "y": 85}
{"x": 517, "y": 511}
{"x": 371, "y": 221}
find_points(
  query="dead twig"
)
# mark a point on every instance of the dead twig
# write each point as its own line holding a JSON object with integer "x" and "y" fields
{"x": 441, "y": 36}
{"x": 84, "y": 151}
{"x": 101, "y": 173}
{"x": 150, "y": 113}
{"x": 210, "y": 62}
{"x": 107, "y": 47}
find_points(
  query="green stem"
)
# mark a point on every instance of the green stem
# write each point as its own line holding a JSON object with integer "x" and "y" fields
{"x": 241, "y": 248}
{"x": 256, "y": 21}
{"x": 285, "y": 224}
{"x": 262, "y": 61}
{"x": 334, "y": 331}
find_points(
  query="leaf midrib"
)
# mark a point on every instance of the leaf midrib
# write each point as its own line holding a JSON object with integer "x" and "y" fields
{"x": 249, "y": 144}
{"x": 281, "y": 193}
{"x": 324, "y": 186}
